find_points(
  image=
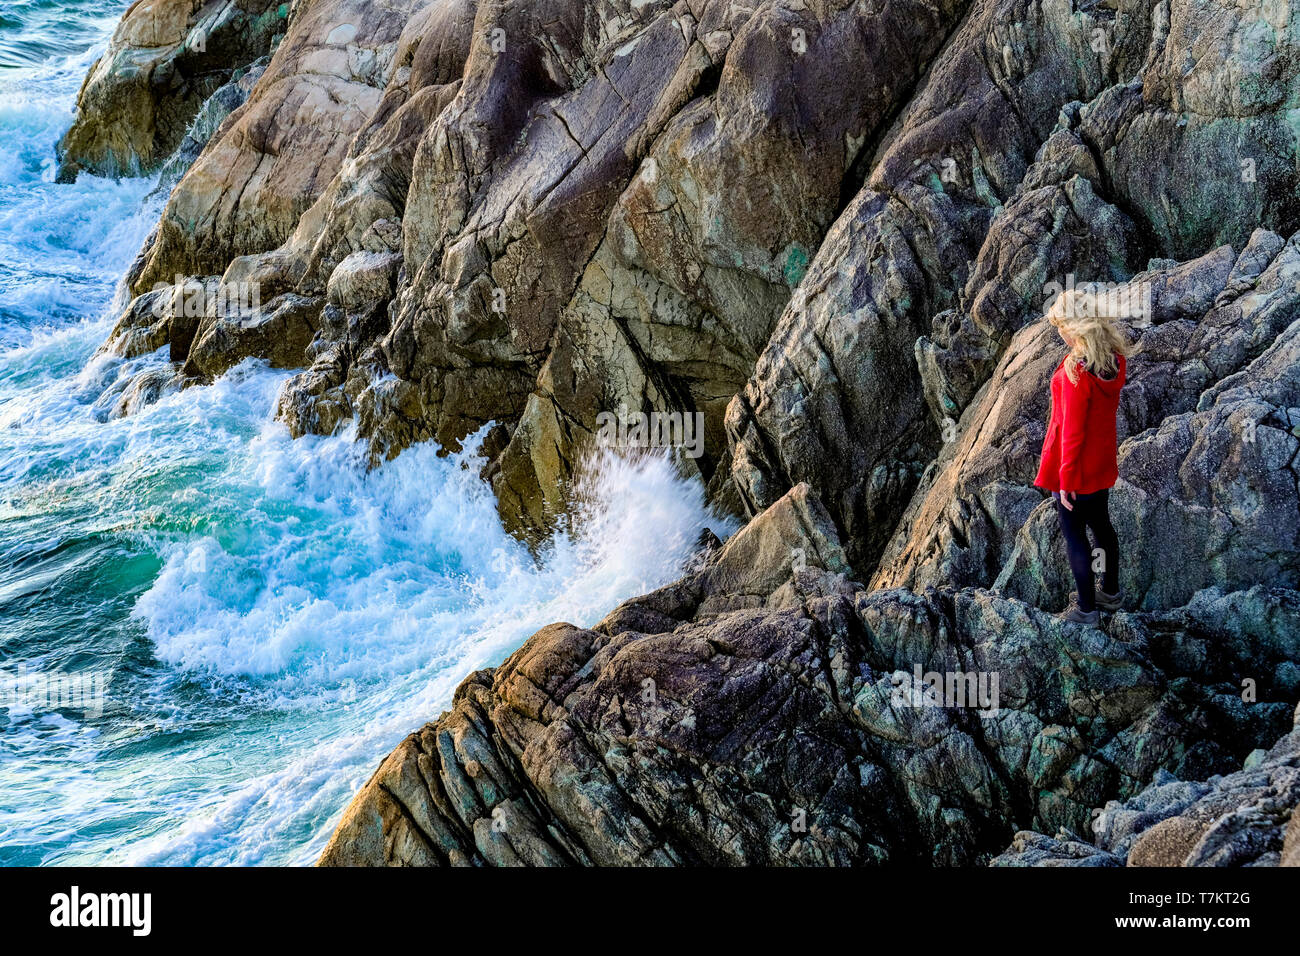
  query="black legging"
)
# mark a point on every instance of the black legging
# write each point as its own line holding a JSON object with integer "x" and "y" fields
{"x": 1091, "y": 511}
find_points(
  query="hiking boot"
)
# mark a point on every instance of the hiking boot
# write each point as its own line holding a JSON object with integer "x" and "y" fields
{"x": 1109, "y": 602}
{"x": 1076, "y": 616}
{"x": 1105, "y": 602}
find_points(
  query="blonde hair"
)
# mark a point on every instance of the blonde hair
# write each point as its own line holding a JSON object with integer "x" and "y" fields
{"x": 1093, "y": 331}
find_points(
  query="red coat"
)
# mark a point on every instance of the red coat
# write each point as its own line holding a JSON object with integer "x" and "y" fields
{"x": 1080, "y": 453}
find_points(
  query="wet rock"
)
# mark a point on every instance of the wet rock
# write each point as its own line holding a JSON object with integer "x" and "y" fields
{"x": 278, "y": 332}
{"x": 164, "y": 62}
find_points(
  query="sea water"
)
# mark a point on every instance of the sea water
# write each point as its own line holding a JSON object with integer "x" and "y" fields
{"x": 267, "y": 617}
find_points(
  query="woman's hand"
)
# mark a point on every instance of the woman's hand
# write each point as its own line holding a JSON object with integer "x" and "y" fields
{"x": 1067, "y": 499}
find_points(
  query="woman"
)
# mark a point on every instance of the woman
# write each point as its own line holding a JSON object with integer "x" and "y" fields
{"x": 1080, "y": 461}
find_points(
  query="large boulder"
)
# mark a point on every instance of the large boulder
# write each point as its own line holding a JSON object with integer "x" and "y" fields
{"x": 275, "y": 155}
{"x": 166, "y": 58}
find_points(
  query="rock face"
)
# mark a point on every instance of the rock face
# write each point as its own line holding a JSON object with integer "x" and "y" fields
{"x": 166, "y": 58}
{"x": 1246, "y": 818}
{"x": 826, "y": 231}
{"x": 1033, "y": 152}
{"x": 1195, "y": 445}
{"x": 736, "y": 718}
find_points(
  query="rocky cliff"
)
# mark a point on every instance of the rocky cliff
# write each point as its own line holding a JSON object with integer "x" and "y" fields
{"x": 828, "y": 228}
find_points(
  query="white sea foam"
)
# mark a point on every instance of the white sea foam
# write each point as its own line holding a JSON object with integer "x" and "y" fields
{"x": 335, "y": 572}
{"x": 331, "y": 607}
{"x": 376, "y": 593}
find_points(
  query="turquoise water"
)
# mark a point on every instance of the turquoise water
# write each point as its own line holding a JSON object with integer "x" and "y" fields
{"x": 269, "y": 618}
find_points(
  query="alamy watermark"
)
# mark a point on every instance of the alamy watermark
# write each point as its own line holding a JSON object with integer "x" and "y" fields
{"x": 74, "y": 908}
{"x": 636, "y": 429}
{"x": 54, "y": 690}
{"x": 977, "y": 690}
{"x": 1121, "y": 300}
{"x": 194, "y": 298}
